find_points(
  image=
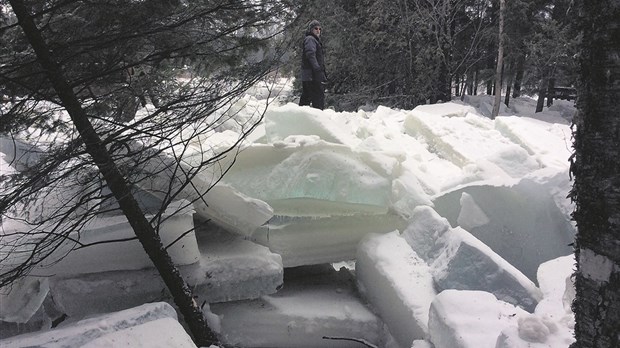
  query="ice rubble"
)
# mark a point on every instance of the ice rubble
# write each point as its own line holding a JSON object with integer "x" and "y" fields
{"x": 148, "y": 325}
{"x": 414, "y": 196}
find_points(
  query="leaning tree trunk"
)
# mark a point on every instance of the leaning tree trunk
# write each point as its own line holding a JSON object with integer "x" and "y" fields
{"x": 597, "y": 178}
{"x": 146, "y": 234}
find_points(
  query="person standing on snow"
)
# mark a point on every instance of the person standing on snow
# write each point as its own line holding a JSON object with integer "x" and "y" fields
{"x": 313, "y": 76}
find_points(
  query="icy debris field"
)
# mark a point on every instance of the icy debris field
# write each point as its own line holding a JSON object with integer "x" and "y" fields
{"x": 433, "y": 227}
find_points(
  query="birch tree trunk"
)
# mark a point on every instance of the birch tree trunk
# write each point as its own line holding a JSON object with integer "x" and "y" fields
{"x": 596, "y": 188}
{"x": 146, "y": 234}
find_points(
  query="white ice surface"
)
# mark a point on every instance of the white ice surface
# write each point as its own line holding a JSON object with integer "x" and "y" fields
{"x": 230, "y": 268}
{"x": 20, "y": 301}
{"x": 469, "y": 319}
{"x": 312, "y": 305}
{"x": 398, "y": 284}
{"x": 308, "y": 241}
{"x": 465, "y": 263}
{"x": 149, "y": 325}
{"x": 448, "y": 156}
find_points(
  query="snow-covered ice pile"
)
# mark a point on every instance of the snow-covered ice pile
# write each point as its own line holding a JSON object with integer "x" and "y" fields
{"x": 446, "y": 229}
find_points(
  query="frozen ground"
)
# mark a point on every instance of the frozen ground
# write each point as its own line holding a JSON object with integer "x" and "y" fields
{"x": 459, "y": 225}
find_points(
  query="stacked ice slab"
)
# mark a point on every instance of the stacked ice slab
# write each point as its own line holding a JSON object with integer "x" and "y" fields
{"x": 447, "y": 213}
{"x": 441, "y": 285}
{"x": 149, "y": 325}
{"x": 326, "y": 196}
{"x": 114, "y": 273}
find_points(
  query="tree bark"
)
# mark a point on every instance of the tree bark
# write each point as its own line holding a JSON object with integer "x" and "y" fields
{"x": 500, "y": 62}
{"x": 596, "y": 188}
{"x": 542, "y": 94}
{"x": 146, "y": 234}
{"x": 516, "y": 92}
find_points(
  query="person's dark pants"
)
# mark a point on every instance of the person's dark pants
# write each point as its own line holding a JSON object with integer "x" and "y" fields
{"x": 312, "y": 93}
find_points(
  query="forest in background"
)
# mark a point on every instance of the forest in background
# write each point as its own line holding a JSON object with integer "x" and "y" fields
{"x": 409, "y": 52}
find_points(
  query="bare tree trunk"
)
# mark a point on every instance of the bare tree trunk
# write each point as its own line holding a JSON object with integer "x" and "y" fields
{"x": 500, "y": 62}
{"x": 597, "y": 178}
{"x": 508, "y": 85}
{"x": 516, "y": 92}
{"x": 542, "y": 94}
{"x": 146, "y": 234}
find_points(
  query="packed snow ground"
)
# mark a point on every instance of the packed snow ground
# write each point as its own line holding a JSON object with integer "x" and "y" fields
{"x": 445, "y": 228}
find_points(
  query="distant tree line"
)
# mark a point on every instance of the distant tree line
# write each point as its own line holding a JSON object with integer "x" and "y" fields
{"x": 408, "y": 52}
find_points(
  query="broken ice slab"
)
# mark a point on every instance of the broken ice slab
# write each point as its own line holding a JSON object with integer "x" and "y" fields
{"x": 230, "y": 268}
{"x": 195, "y": 177}
{"x": 397, "y": 283}
{"x": 424, "y": 228}
{"x": 291, "y": 119}
{"x": 18, "y": 153}
{"x": 311, "y": 179}
{"x": 46, "y": 316}
{"x": 233, "y": 210}
{"x": 20, "y": 300}
{"x": 460, "y": 261}
{"x": 469, "y": 319}
{"x": 556, "y": 283}
{"x": 548, "y": 142}
{"x": 149, "y": 325}
{"x": 311, "y": 305}
{"x": 470, "y": 139}
{"x": 463, "y": 262}
{"x": 113, "y": 240}
{"x": 522, "y": 222}
{"x": 307, "y": 240}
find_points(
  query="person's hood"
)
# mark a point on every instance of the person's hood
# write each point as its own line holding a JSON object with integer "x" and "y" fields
{"x": 313, "y": 23}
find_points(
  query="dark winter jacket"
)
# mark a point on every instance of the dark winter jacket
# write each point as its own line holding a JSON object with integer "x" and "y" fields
{"x": 312, "y": 59}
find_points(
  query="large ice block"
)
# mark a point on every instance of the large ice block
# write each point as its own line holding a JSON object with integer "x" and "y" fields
{"x": 424, "y": 228}
{"x": 548, "y": 143}
{"x": 308, "y": 308}
{"x": 149, "y": 325}
{"x": 190, "y": 178}
{"x": 311, "y": 179}
{"x": 469, "y": 319}
{"x": 125, "y": 252}
{"x": 398, "y": 284}
{"x": 522, "y": 222}
{"x": 556, "y": 283}
{"x": 466, "y": 138}
{"x": 465, "y": 263}
{"x": 21, "y": 300}
{"x": 291, "y": 119}
{"x": 308, "y": 241}
{"x": 230, "y": 268}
